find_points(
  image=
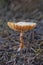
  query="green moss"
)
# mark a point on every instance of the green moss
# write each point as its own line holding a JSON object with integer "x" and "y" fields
{"x": 4, "y": 2}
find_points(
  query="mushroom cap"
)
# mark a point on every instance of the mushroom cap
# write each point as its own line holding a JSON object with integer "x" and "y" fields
{"x": 21, "y": 26}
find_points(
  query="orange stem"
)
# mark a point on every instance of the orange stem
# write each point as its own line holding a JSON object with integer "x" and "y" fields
{"x": 21, "y": 40}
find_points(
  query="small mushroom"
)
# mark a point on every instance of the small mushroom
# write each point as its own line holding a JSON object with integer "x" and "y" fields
{"x": 21, "y": 27}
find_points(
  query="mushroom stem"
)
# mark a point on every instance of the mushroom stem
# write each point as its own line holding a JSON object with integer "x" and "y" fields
{"x": 21, "y": 40}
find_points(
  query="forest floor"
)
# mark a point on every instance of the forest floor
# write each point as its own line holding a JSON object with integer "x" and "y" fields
{"x": 9, "y": 41}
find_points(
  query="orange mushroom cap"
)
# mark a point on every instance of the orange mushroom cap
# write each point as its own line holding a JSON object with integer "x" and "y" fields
{"x": 21, "y": 26}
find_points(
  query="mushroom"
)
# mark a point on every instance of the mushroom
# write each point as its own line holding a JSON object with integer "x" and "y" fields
{"x": 21, "y": 27}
